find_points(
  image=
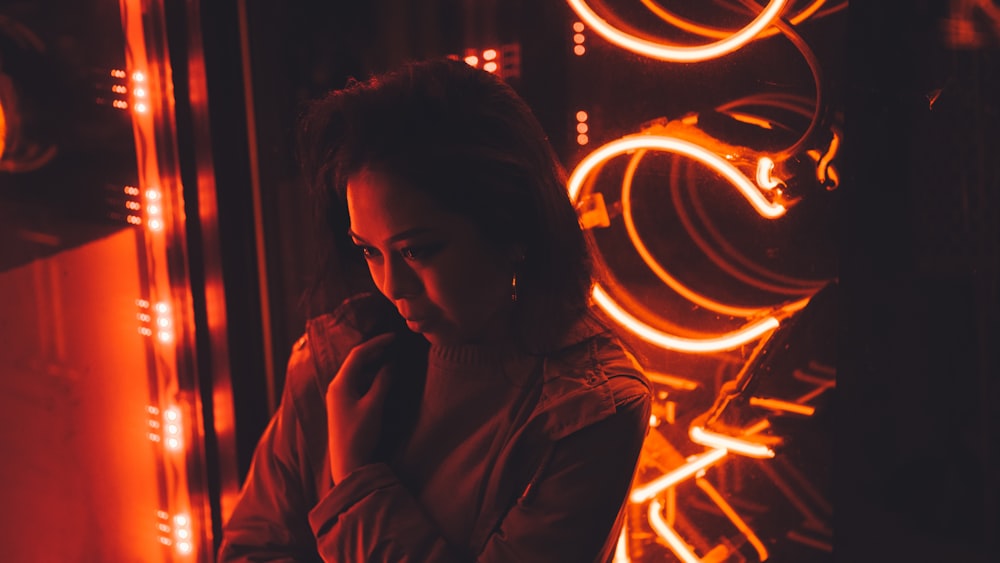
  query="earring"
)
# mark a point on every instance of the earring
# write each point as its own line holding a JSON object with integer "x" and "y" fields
{"x": 513, "y": 287}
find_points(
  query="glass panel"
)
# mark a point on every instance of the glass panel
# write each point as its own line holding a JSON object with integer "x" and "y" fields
{"x": 94, "y": 400}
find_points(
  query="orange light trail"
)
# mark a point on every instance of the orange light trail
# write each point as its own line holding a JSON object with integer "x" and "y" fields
{"x": 678, "y": 53}
{"x": 711, "y": 439}
{"x": 695, "y": 464}
{"x": 629, "y": 143}
{"x": 747, "y": 333}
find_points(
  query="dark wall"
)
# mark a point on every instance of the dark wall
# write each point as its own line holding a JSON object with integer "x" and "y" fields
{"x": 917, "y": 447}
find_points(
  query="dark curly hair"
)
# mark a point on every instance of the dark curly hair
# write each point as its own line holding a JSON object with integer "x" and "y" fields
{"x": 466, "y": 139}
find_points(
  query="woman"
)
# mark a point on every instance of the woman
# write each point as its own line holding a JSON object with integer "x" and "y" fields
{"x": 468, "y": 406}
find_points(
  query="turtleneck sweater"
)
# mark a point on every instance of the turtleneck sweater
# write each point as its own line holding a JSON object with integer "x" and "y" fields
{"x": 471, "y": 398}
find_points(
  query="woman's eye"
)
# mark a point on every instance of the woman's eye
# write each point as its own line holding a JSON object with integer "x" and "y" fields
{"x": 411, "y": 252}
{"x": 368, "y": 251}
{"x": 419, "y": 252}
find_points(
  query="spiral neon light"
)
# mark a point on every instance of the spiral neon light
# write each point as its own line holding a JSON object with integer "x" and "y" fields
{"x": 674, "y": 53}
{"x": 672, "y": 144}
{"x": 628, "y": 143}
{"x": 655, "y": 266}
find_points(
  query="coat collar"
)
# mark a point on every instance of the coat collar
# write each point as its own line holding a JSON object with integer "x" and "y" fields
{"x": 575, "y": 392}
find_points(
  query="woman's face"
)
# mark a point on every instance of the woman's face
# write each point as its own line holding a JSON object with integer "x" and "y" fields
{"x": 445, "y": 280}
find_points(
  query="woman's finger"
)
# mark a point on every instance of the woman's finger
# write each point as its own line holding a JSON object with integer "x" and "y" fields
{"x": 375, "y": 397}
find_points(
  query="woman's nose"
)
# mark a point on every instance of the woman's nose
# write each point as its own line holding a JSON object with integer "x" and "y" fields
{"x": 399, "y": 280}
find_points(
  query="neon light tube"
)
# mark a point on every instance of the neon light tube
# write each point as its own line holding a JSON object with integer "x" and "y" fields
{"x": 748, "y": 333}
{"x": 677, "y": 53}
{"x": 711, "y": 439}
{"x": 677, "y": 545}
{"x": 628, "y": 143}
{"x": 765, "y": 166}
{"x": 667, "y": 480}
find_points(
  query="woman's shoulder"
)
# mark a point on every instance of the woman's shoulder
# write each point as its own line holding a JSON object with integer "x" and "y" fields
{"x": 328, "y": 337}
{"x": 592, "y": 343}
{"x": 595, "y": 356}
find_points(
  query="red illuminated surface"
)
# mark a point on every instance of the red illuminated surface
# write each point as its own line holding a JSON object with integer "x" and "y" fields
{"x": 73, "y": 419}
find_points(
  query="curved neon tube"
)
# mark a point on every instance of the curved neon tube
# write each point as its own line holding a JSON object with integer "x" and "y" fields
{"x": 765, "y": 166}
{"x": 662, "y": 529}
{"x": 694, "y": 465}
{"x": 735, "y": 339}
{"x": 651, "y": 262}
{"x": 677, "y": 53}
{"x": 672, "y": 144}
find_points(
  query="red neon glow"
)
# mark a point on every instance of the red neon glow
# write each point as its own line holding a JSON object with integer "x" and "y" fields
{"x": 675, "y": 53}
{"x": 711, "y": 439}
{"x": 735, "y": 339}
{"x": 694, "y": 464}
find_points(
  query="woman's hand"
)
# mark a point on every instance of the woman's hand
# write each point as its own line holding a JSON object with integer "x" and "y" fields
{"x": 354, "y": 401}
